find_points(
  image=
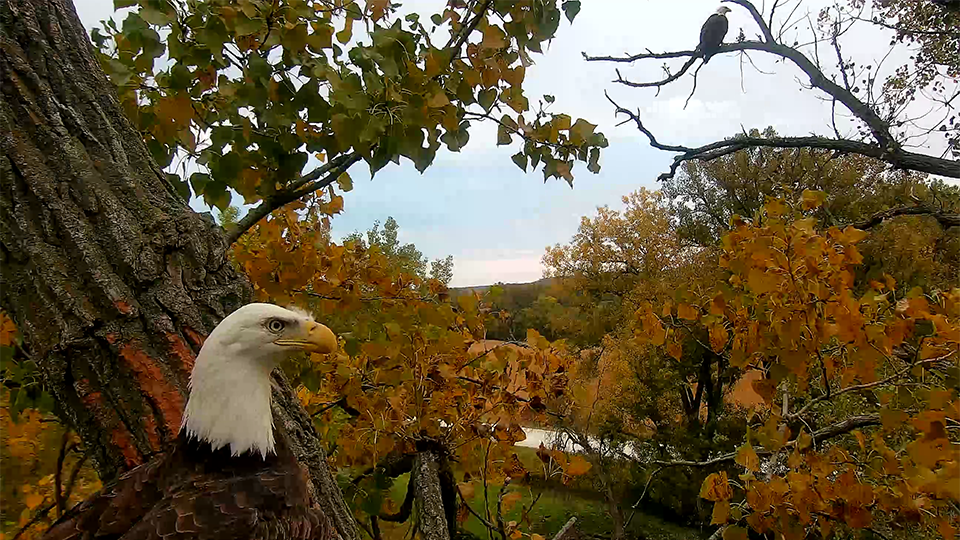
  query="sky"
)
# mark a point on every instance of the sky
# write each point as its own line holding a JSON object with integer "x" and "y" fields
{"x": 497, "y": 220}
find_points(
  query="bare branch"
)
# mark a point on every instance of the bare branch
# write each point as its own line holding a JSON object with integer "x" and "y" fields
{"x": 878, "y": 127}
{"x": 899, "y": 158}
{"x": 767, "y": 34}
{"x": 642, "y": 56}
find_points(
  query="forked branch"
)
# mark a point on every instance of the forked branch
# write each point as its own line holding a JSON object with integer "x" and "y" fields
{"x": 883, "y": 146}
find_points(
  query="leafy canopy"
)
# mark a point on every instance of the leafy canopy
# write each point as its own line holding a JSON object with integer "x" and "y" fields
{"x": 258, "y": 93}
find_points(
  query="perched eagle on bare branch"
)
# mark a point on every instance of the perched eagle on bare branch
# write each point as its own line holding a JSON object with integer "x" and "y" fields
{"x": 713, "y": 32}
{"x": 228, "y": 476}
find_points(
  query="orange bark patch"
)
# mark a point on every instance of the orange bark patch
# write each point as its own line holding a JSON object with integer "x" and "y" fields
{"x": 121, "y": 439}
{"x": 182, "y": 351}
{"x": 194, "y": 337}
{"x": 153, "y": 436}
{"x": 152, "y": 381}
{"x": 123, "y": 307}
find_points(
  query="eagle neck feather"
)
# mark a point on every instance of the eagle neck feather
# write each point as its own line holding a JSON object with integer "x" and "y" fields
{"x": 229, "y": 403}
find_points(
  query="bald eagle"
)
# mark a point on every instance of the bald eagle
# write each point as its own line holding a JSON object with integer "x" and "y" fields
{"x": 227, "y": 476}
{"x": 713, "y": 32}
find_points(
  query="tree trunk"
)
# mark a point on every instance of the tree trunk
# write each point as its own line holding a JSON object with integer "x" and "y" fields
{"x": 432, "y": 515}
{"x": 112, "y": 279}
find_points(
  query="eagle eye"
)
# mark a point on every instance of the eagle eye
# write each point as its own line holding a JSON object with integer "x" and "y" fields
{"x": 276, "y": 325}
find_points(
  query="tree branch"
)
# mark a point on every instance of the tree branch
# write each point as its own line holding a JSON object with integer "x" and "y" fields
{"x": 900, "y": 159}
{"x": 318, "y": 178}
{"x": 461, "y": 37}
{"x": 867, "y": 386}
{"x": 878, "y": 127}
{"x": 823, "y": 434}
{"x": 946, "y": 220}
{"x": 884, "y": 147}
{"x": 767, "y": 34}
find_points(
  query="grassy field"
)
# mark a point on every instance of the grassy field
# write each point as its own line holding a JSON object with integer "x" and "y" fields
{"x": 556, "y": 506}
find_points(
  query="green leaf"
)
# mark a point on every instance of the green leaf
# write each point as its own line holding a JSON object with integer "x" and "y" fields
{"x": 437, "y": 19}
{"x": 216, "y": 194}
{"x": 503, "y": 135}
{"x": 548, "y": 98}
{"x": 594, "y": 165}
{"x": 487, "y": 98}
{"x": 345, "y": 182}
{"x": 580, "y": 131}
{"x": 199, "y": 182}
{"x": 120, "y": 4}
{"x": 352, "y": 347}
{"x": 311, "y": 380}
{"x": 183, "y": 189}
{"x": 521, "y": 160}
{"x": 571, "y": 8}
{"x": 155, "y": 16}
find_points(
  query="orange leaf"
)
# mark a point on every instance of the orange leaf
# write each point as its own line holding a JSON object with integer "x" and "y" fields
{"x": 721, "y": 512}
{"x": 7, "y": 330}
{"x": 577, "y": 466}
{"x": 33, "y": 500}
{"x": 675, "y": 350}
{"x": 466, "y": 490}
{"x": 734, "y": 533}
{"x": 510, "y": 499}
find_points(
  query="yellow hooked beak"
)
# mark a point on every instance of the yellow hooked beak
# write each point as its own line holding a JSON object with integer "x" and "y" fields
{"x": 310, "y": 337}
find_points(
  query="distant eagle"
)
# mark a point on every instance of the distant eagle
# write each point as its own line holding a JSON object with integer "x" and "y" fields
{"x": 713, "y": 32}
{"x": 227, "y": 476}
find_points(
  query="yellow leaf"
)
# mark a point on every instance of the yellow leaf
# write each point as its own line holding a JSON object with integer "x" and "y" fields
{"x": 761, "y": 282}
{"x": 747, "y": 457}
{"x": 687, "y": 312}
{"x": 577, "y": 466}
{"x": 675, "y": 350}
{"x": 721, "y": 512}
{"x": 716, "y": 487}
{"x": 812, "y": 199}
{"x": 852, "y": 235}
{"x": 438, "y": 100}
{"x": 536, "y": 536}
{"x": 493, "y": 38}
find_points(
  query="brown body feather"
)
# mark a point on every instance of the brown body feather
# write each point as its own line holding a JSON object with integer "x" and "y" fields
{"x": 195, "y": 492}
{"x": 712, "y": 34}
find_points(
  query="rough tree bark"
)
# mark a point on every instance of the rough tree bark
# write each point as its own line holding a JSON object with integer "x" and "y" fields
{"x": 112, "y": 279}
{"x": 432, "y": 516}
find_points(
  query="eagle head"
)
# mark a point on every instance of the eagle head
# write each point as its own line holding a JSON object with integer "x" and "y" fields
{"x": 229, "y": 403}
{"x": 723, "y": 10}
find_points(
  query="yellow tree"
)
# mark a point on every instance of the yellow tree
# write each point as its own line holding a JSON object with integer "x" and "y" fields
{"x": 857, "y": 429}
{"x": 409, "y": 386}
{"x": 111, "y": 277}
